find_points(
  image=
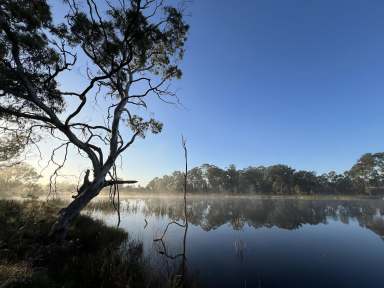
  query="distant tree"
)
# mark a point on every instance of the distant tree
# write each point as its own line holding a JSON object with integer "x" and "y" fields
{"x": 215, "y": 177}
{"x": 370, "y": 169}
{"x": 153, "y": 185}
{"x": 132, "y": 50}
{"x": 17, "y": 179}
{"x": 344, "y": 184}
{"x": 340, "y": 183}
{"x": 324, "y": 184}
{"x": 281, "y": 178}
{"x": 21, "y": 173}
{"x": 196, "y": 181}
{"x": 305, "y": 182}
{"x": 254, "y": 180}
{"x": 176, "y": 182}
{"x": 232, "y": 179}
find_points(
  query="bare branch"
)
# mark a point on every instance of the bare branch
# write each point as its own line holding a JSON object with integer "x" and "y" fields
{"x": 118, "y": 182}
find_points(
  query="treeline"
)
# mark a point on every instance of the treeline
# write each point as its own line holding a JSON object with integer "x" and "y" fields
{"x": 365, "y": 177}
{"x": 20, "y": 180}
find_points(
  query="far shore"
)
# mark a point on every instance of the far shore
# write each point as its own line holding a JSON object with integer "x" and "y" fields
{"x": 244, "y": 195}
{"x": 104, "y": 196}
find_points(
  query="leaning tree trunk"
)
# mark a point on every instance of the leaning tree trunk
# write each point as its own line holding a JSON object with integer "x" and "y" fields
{"x": 68, "y": 214}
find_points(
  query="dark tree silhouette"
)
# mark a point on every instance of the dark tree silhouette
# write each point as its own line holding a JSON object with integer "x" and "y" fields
{"x": 12, "y": 144}
{"x": 365, "y": 177}
{"x": 132, "y": 50}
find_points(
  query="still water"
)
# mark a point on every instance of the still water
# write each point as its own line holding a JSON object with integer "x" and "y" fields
{"x": 256, "y": 242}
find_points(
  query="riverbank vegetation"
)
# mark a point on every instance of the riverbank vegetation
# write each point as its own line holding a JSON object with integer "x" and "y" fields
{"x": 92, "y": 255}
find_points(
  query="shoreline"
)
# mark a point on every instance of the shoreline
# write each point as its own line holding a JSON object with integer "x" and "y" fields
{"x": 213, "y": 196}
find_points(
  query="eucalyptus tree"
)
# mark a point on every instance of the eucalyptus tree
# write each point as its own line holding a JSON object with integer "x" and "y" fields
{"x": 281, "y": 178}
{"x": 196, "y": 181}
{"x": 132, "y": 50}
{"x": 215, "y": 177}
{"x": 305, "y": 182}
{"x": 232, "y": 179}
{"x": 254, "y": 180}
{"x": 370, "y": 170}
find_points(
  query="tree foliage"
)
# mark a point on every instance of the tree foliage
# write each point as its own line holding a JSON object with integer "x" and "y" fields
{"x": 365, "y": 177}
{"x": 11, "y": 146}
{"x": 369, "y": 169}
{"x": 132, "y": 50}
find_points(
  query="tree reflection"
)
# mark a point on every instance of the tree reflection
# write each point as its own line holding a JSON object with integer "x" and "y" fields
{"x": 289, "y": 214}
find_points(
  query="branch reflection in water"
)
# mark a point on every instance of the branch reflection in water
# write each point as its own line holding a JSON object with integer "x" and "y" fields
{"x": 180, "y": 280}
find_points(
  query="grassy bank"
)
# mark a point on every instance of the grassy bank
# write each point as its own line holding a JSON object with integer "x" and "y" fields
{"x": 93, "y": 255}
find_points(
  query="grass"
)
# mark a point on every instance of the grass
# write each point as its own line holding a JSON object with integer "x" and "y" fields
{"x": 93, "y": 255}
{"x": 105, "y": 205}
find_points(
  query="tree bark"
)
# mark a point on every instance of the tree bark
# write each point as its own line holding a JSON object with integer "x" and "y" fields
{"x": 68, "y": 214}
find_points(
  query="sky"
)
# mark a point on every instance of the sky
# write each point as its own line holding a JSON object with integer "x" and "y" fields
{"x": 297, "y": 82}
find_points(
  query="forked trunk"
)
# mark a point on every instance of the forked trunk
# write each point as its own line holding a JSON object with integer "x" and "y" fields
{"x": 68, "y": 214}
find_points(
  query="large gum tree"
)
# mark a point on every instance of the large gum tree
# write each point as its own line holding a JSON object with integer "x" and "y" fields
{"x": 131, "y": 50}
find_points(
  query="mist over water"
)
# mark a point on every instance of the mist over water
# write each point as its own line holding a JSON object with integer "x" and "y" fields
{"x": 262, "y": 242}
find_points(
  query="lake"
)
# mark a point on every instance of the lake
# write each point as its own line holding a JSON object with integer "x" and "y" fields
{"x": 261, "y": 242}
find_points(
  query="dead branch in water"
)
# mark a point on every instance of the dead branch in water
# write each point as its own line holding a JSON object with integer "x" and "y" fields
{"x": 184, "y": 225}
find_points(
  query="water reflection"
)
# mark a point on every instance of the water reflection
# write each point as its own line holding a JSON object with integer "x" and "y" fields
{"x": 290, "y": 214}
{"x": 251, "y": 242}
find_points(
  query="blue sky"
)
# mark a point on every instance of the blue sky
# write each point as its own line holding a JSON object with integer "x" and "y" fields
{"x": 298, "y": 82}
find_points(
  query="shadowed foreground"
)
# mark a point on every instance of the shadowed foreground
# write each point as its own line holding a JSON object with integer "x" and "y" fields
{"x": 93, "y": 255}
